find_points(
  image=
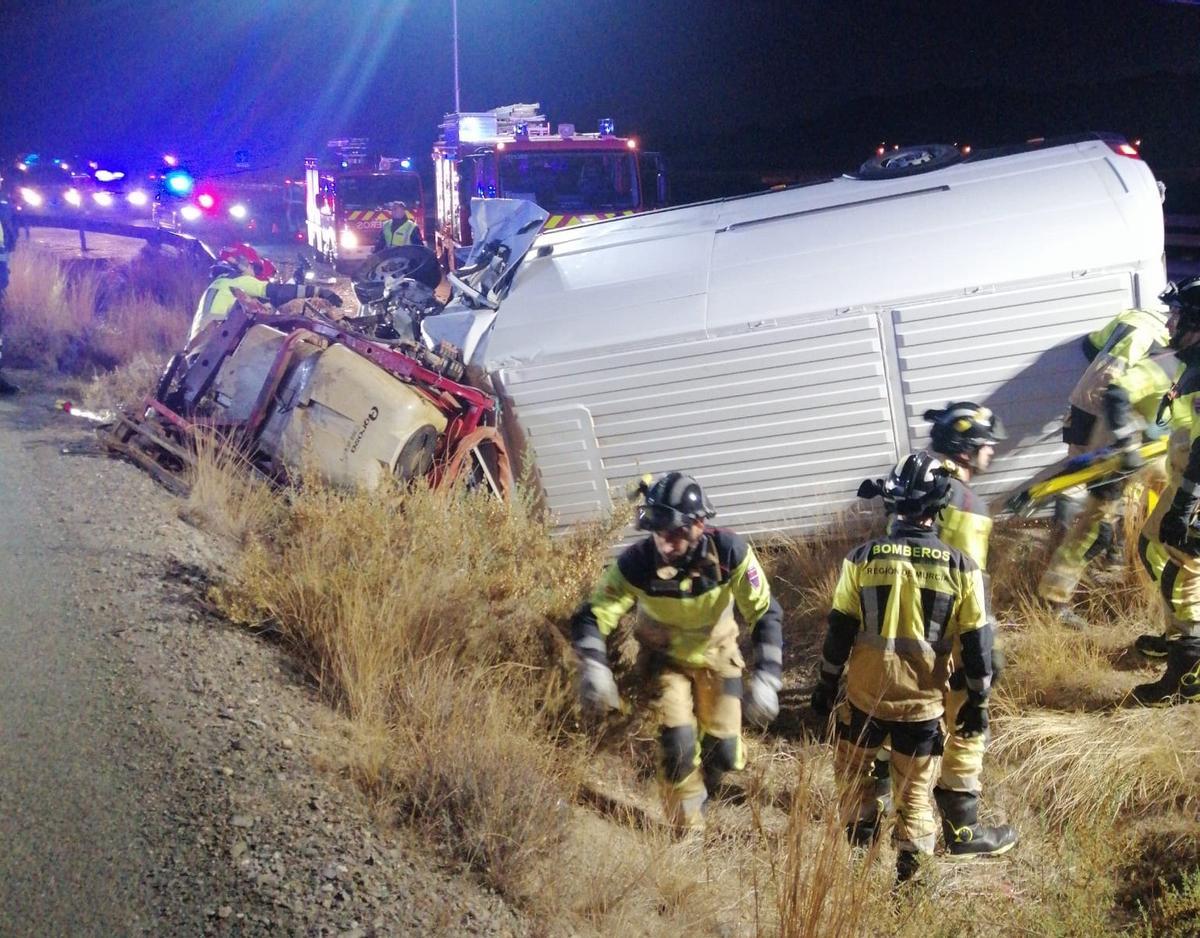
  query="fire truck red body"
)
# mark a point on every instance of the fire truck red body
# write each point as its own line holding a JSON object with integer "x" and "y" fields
{"x": 345, "y": 199}
{"x": 510, "y": 152}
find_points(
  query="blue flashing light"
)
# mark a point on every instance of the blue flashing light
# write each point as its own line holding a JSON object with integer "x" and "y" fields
{"x": 607, "y": 127}
{"x": 179, "y": 182}
{"x": 31, "y": 158}
{"x": 345, "y": 164}
{"x": 406, "y": 163}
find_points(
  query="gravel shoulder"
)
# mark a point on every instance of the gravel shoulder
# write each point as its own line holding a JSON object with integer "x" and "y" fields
{"x": 162, "y": 773}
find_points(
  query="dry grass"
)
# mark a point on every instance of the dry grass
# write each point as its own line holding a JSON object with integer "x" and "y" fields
{"x": 433, "y": 620}
{"x": 226, "y": 497}
{"x": 1088, "y": 765}
{"x": 83, "y": 318}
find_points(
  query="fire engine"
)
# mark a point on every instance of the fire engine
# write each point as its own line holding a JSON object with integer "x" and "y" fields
{"x": 345, "y": 199}
{"x": 510, "y": 152}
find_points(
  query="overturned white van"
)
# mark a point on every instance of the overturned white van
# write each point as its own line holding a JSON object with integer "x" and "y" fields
{"x": 782, "y": 346}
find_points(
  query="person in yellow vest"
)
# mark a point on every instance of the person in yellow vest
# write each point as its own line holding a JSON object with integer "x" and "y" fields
{"x": 685, "y": 581}
{"x": 1169, "y": 542}
{"x": 963, "y": 436}
{"x": 8, "y": 240}
{"x": 399, "y": 229}
{"x": 1130, "y": 406}
{"x": 1131, "y": 336}
{"x": 240, "y": 267}
{"x": 902, "y": 605}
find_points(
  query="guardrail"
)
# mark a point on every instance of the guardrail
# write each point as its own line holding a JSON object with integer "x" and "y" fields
{"x": 151, "y": 234}
{"x": 1182, "y": 231}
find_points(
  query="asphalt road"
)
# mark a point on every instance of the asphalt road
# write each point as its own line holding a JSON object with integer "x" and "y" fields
{"x": 78, "y": 780}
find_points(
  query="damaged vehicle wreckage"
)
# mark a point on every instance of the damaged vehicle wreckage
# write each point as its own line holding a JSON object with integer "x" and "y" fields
{"x": 777, "y": 344}
{"x": 352, "y": 401}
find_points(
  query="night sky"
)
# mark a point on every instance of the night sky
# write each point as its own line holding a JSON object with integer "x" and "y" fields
{"x": 741, "y": 88}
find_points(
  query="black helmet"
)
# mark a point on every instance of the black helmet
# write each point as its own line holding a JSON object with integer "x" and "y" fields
{"x": 1184, "y": 295}
{"x": 917, "y": 487}
{"x": 1183, "y": 298}
{"x": 674, "y": 501}
{"x": 962, "y": 427}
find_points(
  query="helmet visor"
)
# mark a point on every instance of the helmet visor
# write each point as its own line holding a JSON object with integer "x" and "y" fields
{"x": 662, "y": 518}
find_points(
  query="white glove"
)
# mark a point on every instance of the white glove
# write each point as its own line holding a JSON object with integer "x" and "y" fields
{"x": 597, "y": 689}
{"x": 760, "y": 702}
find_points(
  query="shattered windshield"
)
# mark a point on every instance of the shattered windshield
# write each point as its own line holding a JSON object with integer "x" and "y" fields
{"x": 571, "y": 182}
{"x": 359, "y": 192}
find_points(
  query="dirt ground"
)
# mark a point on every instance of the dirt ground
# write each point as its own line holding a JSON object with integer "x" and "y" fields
{"x": 162, "y": 773}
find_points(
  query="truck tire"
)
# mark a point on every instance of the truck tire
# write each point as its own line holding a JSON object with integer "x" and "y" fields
{"x": 908, "y": 161}
{"x": 416, "y": 456}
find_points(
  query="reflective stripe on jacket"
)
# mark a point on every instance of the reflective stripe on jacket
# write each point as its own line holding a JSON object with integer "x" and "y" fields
{"x": 218, "y": 299}
{"x": 1130, "y": 337}
{"x": 685, "y": 606}
{"x": 900, "y": 603}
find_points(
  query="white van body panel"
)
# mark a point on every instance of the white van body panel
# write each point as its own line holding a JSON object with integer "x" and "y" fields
{"x": 783, "y": 346}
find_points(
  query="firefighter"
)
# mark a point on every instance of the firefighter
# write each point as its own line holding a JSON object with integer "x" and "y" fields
{"x": 1169, "y": 542}
{"x": 240, "y": 267}
{"x": 8, "y": 241}
{"x": 685, "y": 581}
{"x": 1131, "y": 336}
{"x": 399, "y": 229}
{"x": 1130, "y": 405}
{"x": 964, "y": 437}
{"x": 901, "y": 604}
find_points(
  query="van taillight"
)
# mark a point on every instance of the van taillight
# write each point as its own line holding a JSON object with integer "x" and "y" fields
{"x": 1125, "y": 149}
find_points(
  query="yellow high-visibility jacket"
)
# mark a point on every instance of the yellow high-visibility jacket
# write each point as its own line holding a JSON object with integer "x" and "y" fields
{"x": 900, "y": 603}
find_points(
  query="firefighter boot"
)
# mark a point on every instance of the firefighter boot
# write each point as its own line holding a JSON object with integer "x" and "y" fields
{"x": 965, "y": 836}
{"x": 865, "y": 831}
{"x": 1152, "y": 646}
{"x": 1180, "y": 683}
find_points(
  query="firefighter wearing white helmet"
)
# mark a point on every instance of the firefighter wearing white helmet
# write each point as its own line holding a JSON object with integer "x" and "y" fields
{"x": 1169, "y": 542}
{"x": 685, "y": 580}
{"x": 901, "y": 605}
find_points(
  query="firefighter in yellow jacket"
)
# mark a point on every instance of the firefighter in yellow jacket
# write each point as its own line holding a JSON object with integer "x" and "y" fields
{"x": 685, "y": 580}
{"x": 1131, "y": 336}
{"x": 1130, "y": 405}
{"x": 1169, "y": 543}
{"x": 240, "y": 267}
{"x": 901, "y": 604}
{"x": 963, "y": 436}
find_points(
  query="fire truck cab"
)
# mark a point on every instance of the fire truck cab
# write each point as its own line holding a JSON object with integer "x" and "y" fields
{"x": 345, "y": 199}
{"x": 510, "y": 152}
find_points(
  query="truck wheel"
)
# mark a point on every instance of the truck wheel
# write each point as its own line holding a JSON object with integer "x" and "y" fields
{"x": 416, "y": 456}
{"x": 481, "y": 461}
{"x": 908, "y": 161}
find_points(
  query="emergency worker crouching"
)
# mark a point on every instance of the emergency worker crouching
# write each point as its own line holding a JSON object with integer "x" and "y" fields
{"x": 901, "y": 604}
{"x": 1169, "y": 542}
{"x": 685, "y": 581}
{"x": 397, "y": 230}
{"x": 240, "y": 267}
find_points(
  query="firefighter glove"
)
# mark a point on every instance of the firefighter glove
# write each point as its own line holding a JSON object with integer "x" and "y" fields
{"x": 1175, "y": 530}
{"x": 329, "y": 296}
{"x": 825, "y": 696}
{"x": 597, "y": 689}
{"x": 760, "y": 702}
{"x": 972, "y": 717}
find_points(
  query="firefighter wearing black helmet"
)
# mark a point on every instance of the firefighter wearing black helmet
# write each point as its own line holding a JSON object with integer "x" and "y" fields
{"x": 1169, "y": 542}
{"x": 902, "y": 603}
{"x": 685, "y": 581}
